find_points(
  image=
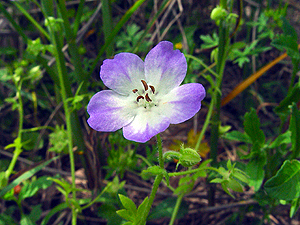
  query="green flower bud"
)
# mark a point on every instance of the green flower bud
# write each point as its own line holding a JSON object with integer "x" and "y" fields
{"x": 218, "y": 13}
{"x": 189, "y": 157}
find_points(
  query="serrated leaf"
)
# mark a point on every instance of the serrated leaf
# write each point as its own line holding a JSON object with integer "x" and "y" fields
{"x": 252, "y": 127}
{"x": 286, "y": 183}
{"x": 255, "y": 167}
{"x": 128, "y": 204}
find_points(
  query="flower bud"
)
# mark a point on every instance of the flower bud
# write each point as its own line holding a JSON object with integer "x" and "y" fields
{"x": 218, "y": 13}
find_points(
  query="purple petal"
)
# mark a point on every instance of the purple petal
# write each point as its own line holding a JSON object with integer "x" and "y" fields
{"x": 145, "y": 125}
{"x": 183, "y": 102}
{"x": 165, "y": 68}
{"x": 109, "y": 111}
{"x": 123, "y": 73}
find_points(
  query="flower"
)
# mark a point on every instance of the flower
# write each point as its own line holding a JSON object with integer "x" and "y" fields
{"x": 145, "y": 96}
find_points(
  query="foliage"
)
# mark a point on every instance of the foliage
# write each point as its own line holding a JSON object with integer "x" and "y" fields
{"x": 50, "y": 55}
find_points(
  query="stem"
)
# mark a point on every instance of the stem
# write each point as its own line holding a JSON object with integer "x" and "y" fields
{"x": 176, "y": 208}
{"x": 18, "y": 141}
{"x": 63, "y": 92}
{"x": 223, "y": 44}
{"x": 156, "y": 183}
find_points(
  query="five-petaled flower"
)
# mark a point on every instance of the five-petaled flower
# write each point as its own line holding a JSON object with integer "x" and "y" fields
{"x": 145, "y": 96}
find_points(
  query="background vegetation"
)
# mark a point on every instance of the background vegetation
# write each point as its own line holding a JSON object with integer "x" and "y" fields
{"x": 54, "y": 169}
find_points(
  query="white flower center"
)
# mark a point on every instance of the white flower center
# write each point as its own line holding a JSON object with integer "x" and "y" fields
{"x": 146, "y": 97}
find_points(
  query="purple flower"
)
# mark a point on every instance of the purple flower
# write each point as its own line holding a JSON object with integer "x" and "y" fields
{"x": 145, "y": 96}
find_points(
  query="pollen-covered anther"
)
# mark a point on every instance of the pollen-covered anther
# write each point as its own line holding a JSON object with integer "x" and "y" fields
{"x": 145, "y": 85}
{"x": 148, "y": 99}
{"x": 139, "y": 97}
{"x": 135, "y": 90}
{"x": 152, "y": 88}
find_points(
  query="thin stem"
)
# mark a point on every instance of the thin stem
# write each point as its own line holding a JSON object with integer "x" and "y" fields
{"x": 156, "y": 183}
{"x": 63, "y": 92}
{"x": 176, "y": 208}
{"x": 205, "y": 125}
{"x": 18, "y": 141}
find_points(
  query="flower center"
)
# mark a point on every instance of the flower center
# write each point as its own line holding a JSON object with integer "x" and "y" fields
{"x": 145, "y": 97}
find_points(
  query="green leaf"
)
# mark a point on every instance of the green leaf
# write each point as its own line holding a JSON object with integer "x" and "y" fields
{"x": 25, "y": 176}
{"x": 295, "y": 129}
{"x": 287, "y": 40}
{"x": 25, "y": 220}
{"x": 286, "y": 183}
{"x": 252, "y": 127}
{"x": 31, "y": 188}
{"x": 128, "y": 204}
{"x": 293, "y": 96}
{"x": 284, "y": 138}
{"x": 152, "y": 171}
{"x": 255, "y": 167}
{"x": 294, "y": 207}
{"x": 53, "y": 211}
{"x": 125, "y": 214}
{"x": 141, "y": 209}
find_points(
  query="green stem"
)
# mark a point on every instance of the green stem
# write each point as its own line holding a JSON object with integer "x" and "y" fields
{"x": 205, "y": 125}
{"x": 18, "y": 141}
{"x": 156, "y": 183}
{"x": 176, "y": 208}
{"x": 63, "y": 92}
{"x": 223, "y": 46}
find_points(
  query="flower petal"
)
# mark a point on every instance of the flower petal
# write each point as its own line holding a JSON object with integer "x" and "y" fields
{"x": 165, "y": 68}
{"x": 182, "y": 103}
{"x": 123, "y": 73}
{"x": 145, "y": 125}
{"x": 109, "y": 111}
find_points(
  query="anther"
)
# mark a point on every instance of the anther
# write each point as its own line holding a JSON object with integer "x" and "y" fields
{"x": 145, "y": 85}
{"x": 135, "y": 90}
{"x": 152, "y": 88}
{"x": 139, "y": 97}
{"x": 147, "y": 98}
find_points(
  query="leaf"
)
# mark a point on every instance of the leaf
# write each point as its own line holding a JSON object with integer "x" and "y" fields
{"x": 293, "y": 96}
{"x": 252, "y": 127}
{"x": 284, "y": 138}
{"x": 141, "y": 209}
{"x": 285, "y": 184}
{"x": 287, "y": 40}
{"x": 294, "y": 207}
{"x": 128, "y": 204}
{"x": 295, "y": 129}
{"x": 237, "y": 136}
{"x": 25, "y": 176}
{"x": 255, "y": 167}
{"x": 30, "y": 189}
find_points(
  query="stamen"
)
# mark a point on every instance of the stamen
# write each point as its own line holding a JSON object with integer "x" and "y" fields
{"x": 147, "y": 98}
{"x": 135, "y": 90}
{"x": 152, "y": 88}
{"x": 139, "y": 97}
{"x": 145, "y": 85}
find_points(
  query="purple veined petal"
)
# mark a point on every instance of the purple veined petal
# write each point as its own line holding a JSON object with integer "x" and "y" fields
{"x": 145, "y": 125}
{"x": 123, "y": 73}
{"x": 109, "y": 111}
{"x": 183, "y": 102}
{"x": 165, "y": 68}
